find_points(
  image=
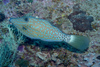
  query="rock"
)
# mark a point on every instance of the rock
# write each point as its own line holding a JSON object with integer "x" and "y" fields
{"x": 80, "y": 20}
{"x": 41, "y": 55}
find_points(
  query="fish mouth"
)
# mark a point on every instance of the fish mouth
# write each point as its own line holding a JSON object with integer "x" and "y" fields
{"x": 10, "y": 20}
{"x": 13, "y": 21}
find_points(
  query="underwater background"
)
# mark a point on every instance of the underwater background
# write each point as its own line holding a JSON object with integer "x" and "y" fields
{"x": 73, "y": 17}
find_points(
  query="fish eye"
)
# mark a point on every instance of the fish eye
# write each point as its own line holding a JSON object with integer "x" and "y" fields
{"x": 26, "y": 19}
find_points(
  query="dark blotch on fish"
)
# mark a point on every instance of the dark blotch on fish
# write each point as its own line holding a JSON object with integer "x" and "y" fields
{"x": 80, "y": 20}
{"x": 24, "y": 28}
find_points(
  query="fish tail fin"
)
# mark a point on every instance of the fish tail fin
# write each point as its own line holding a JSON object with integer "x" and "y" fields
{"x": 79, "y": 42}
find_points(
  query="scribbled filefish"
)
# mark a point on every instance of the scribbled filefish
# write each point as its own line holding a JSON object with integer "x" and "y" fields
{"x": 36, "y": 28}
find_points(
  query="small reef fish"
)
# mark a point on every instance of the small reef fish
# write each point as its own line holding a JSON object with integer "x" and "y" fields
{"x": 37, "y": 28}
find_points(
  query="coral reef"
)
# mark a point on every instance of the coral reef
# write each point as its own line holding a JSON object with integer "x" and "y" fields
{"x": 22, "y": 63}
{"x": 19, "y": 53}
